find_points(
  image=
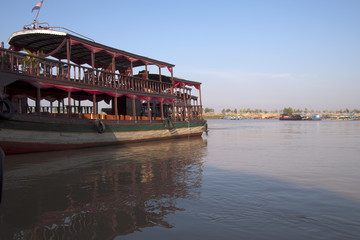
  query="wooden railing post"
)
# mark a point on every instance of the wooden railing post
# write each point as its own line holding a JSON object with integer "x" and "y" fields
{"x": 160, "y": 90}
{"x": 93, "y": 67}
{"x": 74, "y": 73}
{"x": 38, "y": 63}
{"x": 68, "y": 53}
{"x": 11, "y": 62}
{"x": 2, "y": 56}
{"x": 201, "y": 114}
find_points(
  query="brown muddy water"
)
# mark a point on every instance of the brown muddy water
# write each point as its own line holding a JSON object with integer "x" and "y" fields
{"x": 248, "y": 179}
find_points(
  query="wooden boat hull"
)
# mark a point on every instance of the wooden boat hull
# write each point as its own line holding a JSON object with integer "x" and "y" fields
{"x": 22, "y": 136}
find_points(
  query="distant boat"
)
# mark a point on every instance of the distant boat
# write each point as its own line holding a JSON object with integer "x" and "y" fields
{"x": 291, "y": 117}
{"x": 317, "y": 117}
{"x": 233, "y": 118}
{"x": 236, "y": 118}
{"x": 298, "y": 117}
{"x": 345, "y": 118}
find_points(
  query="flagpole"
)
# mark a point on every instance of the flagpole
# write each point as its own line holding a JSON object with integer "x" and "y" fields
{"x": 35, "y": 20}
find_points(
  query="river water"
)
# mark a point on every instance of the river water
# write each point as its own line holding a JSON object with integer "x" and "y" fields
{"x": 247, "y": 179}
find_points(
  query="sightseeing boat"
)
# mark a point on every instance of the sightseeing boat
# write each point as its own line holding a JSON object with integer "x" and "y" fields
{"x": 60, "y": 91}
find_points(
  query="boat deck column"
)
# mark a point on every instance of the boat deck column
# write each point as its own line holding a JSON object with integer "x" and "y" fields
{"x": 149, "y": 110}
{"x": 134, "y": 109}
{"x": 94, "y": 105}
{"x": 116, "y": 107}
{"x": 69, "y": 104}
{"x": 38, "y": 98}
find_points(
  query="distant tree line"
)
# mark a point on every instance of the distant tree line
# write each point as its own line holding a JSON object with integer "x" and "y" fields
{"x": 287, "y": 110}
{"x": 290, "y": 110}
{"x": 209, "y": 110}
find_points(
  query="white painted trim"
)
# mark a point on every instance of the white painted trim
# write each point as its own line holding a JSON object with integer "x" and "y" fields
{"x": 36, "y": 31}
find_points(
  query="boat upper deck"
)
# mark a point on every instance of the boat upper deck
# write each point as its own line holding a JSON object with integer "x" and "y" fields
{"x": 62, "y": 45}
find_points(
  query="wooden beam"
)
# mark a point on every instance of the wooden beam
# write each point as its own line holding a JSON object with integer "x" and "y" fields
{"x": 59, "y": 106}
{"x": 57, "y": 49}
{"x": 146, "y": 72}
{"x": 131, "y": 69}
{"x": 173, "y": 111}
{"x": 172, "y": 81}
{"x": 93, "y": 67}
{"x": 79, "y": 106}
{"x": 116, "y": 107}
{"x": 184, "y": 102}
{"x": 94, "y": 105}
{"x": 134, "y": 109}
{"x": 38, "y": 99}
{"x": 201, "y": 114}
{"x": 173, "y": 92}
{"x": 113, "y": 71}
{"x": 2, "y": 56}
{"x": 149, "y": 110}
{"x": 37, "y": 63}
{"x": 162, "y": 110}
{"x": 159, "y": 74}
{"x": 69, "y": 104}
{"x": 68, "y": 56}
{"x": 160, "y": 80}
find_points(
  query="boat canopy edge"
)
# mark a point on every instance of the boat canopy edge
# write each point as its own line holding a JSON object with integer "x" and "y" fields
{"x": 32, "y": 31}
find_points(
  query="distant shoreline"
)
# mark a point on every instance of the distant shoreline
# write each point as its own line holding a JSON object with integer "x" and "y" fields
{"x": 266, "y": 115}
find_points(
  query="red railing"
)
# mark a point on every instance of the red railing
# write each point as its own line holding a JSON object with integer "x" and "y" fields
{"x": 26, "y": 64}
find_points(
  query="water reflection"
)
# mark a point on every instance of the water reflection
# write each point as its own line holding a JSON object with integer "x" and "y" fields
{"x": 98, "y": 193}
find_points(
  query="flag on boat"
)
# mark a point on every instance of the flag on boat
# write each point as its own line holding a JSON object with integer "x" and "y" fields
{"x": 37, "y": 6}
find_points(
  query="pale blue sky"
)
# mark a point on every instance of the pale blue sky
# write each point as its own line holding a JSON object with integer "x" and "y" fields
{"x": 266, "y": 54}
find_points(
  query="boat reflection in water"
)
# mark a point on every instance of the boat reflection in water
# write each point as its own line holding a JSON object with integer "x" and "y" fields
{"x": 98, "y": 193}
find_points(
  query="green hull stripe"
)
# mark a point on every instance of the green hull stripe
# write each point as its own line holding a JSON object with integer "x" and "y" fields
{"x": 88, "y": 127}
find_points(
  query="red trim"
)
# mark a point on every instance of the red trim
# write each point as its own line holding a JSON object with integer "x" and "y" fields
{"x": 114, "y": 94}
{"x": 160, "y": 99}
{"x": 164, "y": 99}
{"x": 146, "y": 98}
{"x": 131, "y": 96}
{"x": 179, "y": 83}
{"x": 91, "y": 48}
{"x": 66, "y": 88}
{"x": 182, "y": 84}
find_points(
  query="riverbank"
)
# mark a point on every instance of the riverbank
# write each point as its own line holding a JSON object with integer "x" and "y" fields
{"x": 264, "y": 115}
